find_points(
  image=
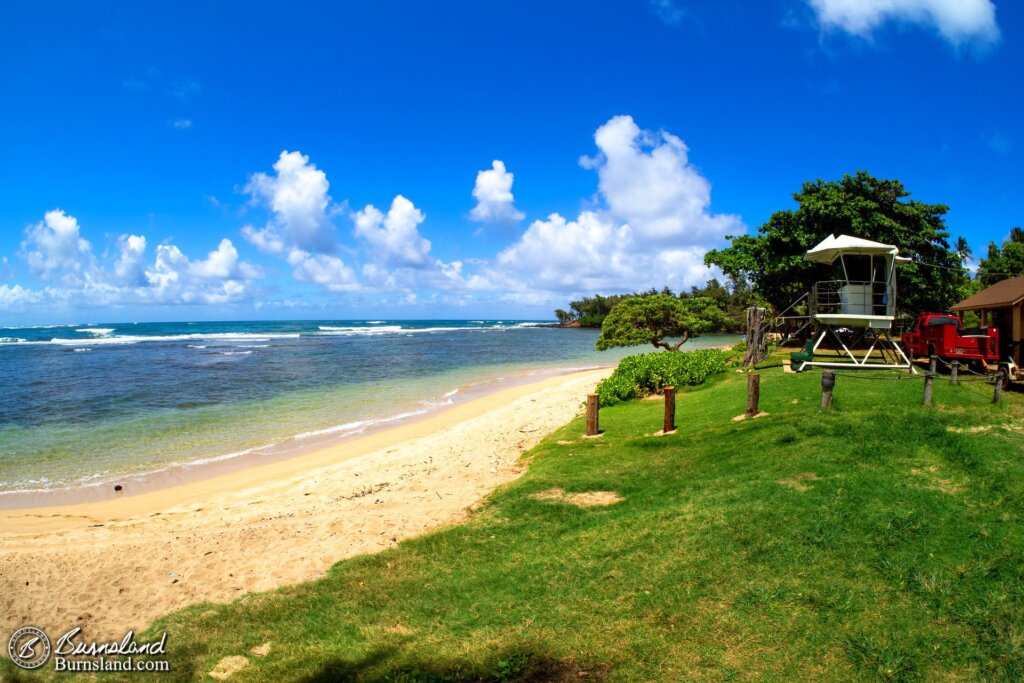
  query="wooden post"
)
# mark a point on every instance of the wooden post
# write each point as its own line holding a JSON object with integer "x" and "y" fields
{"x": 954, "y": 370}
{"x": 757, "y": 340}
{"x": 928, "y": 388}
{"x": 828, "y": 381}
{"x": 753, "y": 393}
{"x": 932, "y": 362}
{"x": 670, "y": 410}
{"x": 999, "y": 388}
{"x": 593, "y": 406}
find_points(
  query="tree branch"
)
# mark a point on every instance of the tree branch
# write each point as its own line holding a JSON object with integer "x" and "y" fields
{"x": 659, "y": 344}
{"x": 675, "y": 347}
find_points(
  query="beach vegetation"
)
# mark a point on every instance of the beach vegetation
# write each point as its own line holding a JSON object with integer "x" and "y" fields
{"x": 733, "y": 298}
{"x": 776, "y": 549}
{"x": 649, "y": 373}
{"x": 657, "y": 318}
{"x": 861, "y": 205}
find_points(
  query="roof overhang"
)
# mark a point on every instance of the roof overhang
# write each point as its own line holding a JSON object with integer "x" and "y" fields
{"x": 832, "y": 247}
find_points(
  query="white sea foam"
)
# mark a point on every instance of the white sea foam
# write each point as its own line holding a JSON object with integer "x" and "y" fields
{"x": 96, "y": 331}
{"x": 375, "y": 322}
{"x": 234, "y": 353}
{"x": 196, "y": 346}
{"x": 452, "y": 392}
{"x": 78, "y": 350}
{"x": 359, "y": 426}
{"x": 343, "y": 331}
{"x": 211, "y": 336}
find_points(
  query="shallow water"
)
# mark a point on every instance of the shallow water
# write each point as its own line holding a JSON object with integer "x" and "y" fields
{"x": 85, "y": 403}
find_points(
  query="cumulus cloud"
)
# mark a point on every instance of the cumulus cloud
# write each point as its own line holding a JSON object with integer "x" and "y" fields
{"x": 56, "y": 252}
{"x": 325, "y": 270}
{"x": 653, "y": 228}
{"x": 394, "y": 239}
{"x": 219, "y": 278}
{"x": 297, "y": 198}
{"x": 493, "y": 194}
{"x": 958, "y": 21}
{"x": 54, "y": 249}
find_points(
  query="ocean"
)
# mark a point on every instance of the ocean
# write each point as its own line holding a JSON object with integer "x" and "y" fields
{"x": 90, "y": 404}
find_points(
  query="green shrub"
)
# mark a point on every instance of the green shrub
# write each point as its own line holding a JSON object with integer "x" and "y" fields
{"x": 649, "y": 373}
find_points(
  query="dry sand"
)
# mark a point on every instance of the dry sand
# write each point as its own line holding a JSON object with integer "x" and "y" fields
{"x": 113, "y": 565}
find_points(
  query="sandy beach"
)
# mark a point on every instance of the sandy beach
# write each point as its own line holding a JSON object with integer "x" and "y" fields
{"x": 112, "y": 565}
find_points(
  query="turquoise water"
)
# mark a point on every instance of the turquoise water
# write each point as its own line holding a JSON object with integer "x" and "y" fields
{"x": 86, "y": 403}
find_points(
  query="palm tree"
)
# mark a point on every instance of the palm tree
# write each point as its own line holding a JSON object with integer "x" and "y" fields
{"x": 963, "y": 249}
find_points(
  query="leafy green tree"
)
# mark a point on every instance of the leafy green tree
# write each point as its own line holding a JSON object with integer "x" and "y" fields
{"x": 862, "y": 206}
{"x": 650, "y": 318}
{"x": 563, "y": 316}
{"x": 1003, "y": 262}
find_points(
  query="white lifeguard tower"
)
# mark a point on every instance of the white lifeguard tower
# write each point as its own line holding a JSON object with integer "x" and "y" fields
{"x": 861, "y": 297}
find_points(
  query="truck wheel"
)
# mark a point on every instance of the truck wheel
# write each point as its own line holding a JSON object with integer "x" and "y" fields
{"x": 1005, "y": 369}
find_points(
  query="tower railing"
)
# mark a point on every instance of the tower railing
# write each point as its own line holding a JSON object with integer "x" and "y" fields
{"x": 851, "y": 297}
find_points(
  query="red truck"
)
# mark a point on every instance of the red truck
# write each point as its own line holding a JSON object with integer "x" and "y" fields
{"x": 943, "y": 335}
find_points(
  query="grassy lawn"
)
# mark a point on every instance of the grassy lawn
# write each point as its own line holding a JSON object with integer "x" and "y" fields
{"x": 880, "y": 541}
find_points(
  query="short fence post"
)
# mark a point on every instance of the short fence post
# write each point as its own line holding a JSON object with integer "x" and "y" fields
{"x": 593, "y": 406}
{"x": 753, "y": 394}
{"x": 932, "y": 364}
{"x": 828, "y": 382}
{"x": 928, "y": 388}
{"x": 670, "y": 410}
{"x": 999, "y": 388}
{"x": 954, "y": 369}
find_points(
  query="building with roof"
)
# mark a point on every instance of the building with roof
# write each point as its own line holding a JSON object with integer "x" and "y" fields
{"x": 1000, "y": 307}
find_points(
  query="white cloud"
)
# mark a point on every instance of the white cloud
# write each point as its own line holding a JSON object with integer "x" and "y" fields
{"x": 219, "y": 278}
{"x": 17, "y": 298}
{"x": 653, "y": 229}
{"x": 668, "y": 11}
{"x": 394, "y": 239}
{"x": 298, "y": 200}
{"x": 129, "y": 268}
{"x": 181, "y": 124}
{"x": 958, "y": 21}
{"x": 647, "y": 181}
{"x": 325, "y": 270}
{"x": 493, "y": 194}
{"x": 56, "y": 252}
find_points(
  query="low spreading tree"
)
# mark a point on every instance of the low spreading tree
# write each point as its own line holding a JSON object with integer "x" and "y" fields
{"x": 656, "y": 318}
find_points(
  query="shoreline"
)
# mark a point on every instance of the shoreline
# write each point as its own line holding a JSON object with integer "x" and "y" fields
{"x": 108, "y": 566}
{"x": 299, "y": 445}
{"x": 112, "y": 506}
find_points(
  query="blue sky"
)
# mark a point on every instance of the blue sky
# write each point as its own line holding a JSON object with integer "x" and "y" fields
{"x": 195, "y": 161}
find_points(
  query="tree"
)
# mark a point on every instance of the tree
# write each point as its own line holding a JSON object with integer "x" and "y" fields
{"x": 650, "y": 318}
{"x": 862, "y": 206}
{"x": 563, "y": 316}
{"x": 1003, "y": 262}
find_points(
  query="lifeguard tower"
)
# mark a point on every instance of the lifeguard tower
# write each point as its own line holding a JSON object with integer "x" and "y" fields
{"x": 859, "y": 303}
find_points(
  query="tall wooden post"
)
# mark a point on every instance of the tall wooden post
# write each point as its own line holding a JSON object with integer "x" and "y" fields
{"x": 999, "y": 388}
{"x": 593, "y": 406}
{"x": 670, "y": 410}
{"x": 828, "y": 381}
{"x": 753, "y": 393}
{"x": 757, "y": 340}
{"x": 932, "y": 363}
{"x": 954, "y": 372}
{"x": 928, "y": 379}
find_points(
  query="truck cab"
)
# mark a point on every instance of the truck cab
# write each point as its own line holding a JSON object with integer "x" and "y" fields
{"x": 943, "y": 335}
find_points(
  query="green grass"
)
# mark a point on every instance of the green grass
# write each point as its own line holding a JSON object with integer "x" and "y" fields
{"x": 880, "y": 541}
